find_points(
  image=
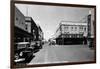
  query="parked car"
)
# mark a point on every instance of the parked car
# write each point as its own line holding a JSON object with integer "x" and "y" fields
{"x": 53, "y": 42}
{"x": 23, "y": 52}
{"x": 39, "y": 44}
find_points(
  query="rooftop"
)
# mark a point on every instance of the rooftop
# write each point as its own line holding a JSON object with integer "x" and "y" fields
{"x": 73, "y": 23}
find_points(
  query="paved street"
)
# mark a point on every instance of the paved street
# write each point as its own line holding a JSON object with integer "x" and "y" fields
{"x": 63, "y": 53}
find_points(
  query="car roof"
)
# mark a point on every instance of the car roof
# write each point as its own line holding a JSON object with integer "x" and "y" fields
{"x": 22, "y": 43}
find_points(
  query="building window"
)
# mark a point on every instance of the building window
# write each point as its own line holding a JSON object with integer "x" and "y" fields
{"x": 17, "y": 18}
{"x": 33, "y": 31}
{"x": 72, "y": 28}
{"x": 75, "y": 35}
{"x": 22, "y": 23}
{"x": 81, "y": 27}
{"x": 65, "y": 27}
{"x": 26, "y": 27}
{"x": 85, "y": 29}
{"x": 75, "y": 28}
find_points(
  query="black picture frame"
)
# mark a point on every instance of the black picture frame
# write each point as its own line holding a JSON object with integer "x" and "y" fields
{"x": 12, "y": 12}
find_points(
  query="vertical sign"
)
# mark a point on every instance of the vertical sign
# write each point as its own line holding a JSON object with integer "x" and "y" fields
{"x": 89, "y": 25}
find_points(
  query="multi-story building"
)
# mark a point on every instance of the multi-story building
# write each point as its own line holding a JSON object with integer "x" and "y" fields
{"x": 91, "y": 33}
{"x": 20, "y": 27}
{"x": 20, "y": 20}
{"x": 40, "y": 33}
{"x": 32, "y": 28}
{"x": 90, "y": 20}
{"x": 71, "y": 32}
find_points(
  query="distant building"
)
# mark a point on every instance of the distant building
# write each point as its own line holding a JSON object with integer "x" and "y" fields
{"x": 40, "y": 32}
{"x": 32, "y": 28}
{"x": 71, "y": 32}
{"x": 74, "y": 30}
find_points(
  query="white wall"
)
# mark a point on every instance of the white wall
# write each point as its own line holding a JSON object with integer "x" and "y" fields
{"x": 5, "y": 35}
{"x": 67, "y": 28}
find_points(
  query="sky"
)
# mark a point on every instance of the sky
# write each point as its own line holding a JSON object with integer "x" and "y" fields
{"x": 49, "y": 17}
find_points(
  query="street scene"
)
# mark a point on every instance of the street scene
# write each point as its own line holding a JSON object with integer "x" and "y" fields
{"x": 51, "y": 34}
{"x": 63, "y": 54}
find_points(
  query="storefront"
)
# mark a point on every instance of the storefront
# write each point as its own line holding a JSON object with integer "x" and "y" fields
{"x": 21, "y": 35}
{"x": 71, "y": 39}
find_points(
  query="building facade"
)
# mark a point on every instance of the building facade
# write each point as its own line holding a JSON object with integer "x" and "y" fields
{"x": 71, "y": 33}
{"x": 20, "y": 20}
{"x": 20, "y": 28}
{"x": 32, "y": 28}
{"x": 40, "y": 37}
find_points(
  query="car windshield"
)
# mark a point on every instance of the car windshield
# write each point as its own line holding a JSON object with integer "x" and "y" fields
{"x": 21, "y": 46}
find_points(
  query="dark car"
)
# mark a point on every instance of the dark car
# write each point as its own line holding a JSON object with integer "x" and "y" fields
{"x": 23, "y": 52}
{"x": 39, "y": 44}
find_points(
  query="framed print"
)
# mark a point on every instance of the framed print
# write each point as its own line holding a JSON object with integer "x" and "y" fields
{"x": 50, "y": 34}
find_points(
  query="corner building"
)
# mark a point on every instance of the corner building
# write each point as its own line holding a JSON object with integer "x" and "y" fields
{"x": 71, "y": 33}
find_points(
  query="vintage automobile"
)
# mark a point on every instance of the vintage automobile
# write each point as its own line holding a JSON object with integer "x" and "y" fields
{"x": 53, "y": 42}
{"x": 39, "y": 44}
{"x": 23, "y": 52}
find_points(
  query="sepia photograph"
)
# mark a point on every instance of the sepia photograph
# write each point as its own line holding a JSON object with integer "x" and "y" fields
{"x": 53, "y": 34}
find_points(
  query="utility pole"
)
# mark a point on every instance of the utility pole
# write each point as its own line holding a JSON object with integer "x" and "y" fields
{"x": 26, "y": 10}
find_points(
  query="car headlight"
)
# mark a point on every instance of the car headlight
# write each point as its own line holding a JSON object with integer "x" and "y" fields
{"x": 21, "y": 54}
{"x": 16, "y": 56}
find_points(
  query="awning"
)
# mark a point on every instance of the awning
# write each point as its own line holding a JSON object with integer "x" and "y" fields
{"x": 20, "y": 32}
